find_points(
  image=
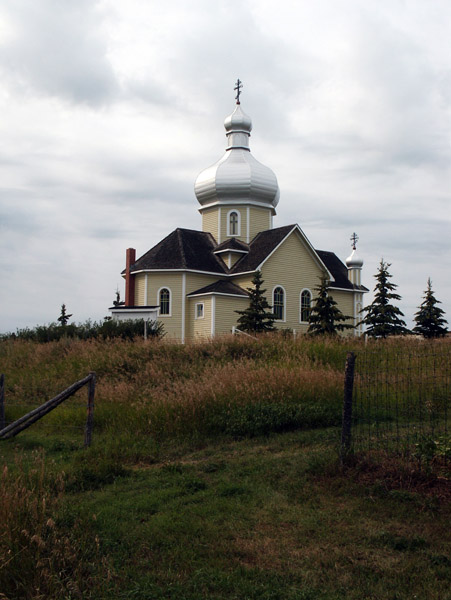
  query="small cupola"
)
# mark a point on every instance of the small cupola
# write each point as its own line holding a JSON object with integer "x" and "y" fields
{"x": 354, "y": 263}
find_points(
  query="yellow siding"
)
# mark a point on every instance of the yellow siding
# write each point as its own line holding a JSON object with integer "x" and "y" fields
{"x": 244, "y": 281}
{"x": 139, "y": 289}
{"x": 210, "y": 221}
{"x": 346, "y": 303}
{"x": 173, "y": 281}
{"x": 259, "y": 220}
{"x": 226, "y": 316}
{"x": 195, "y": 281}
{"x": 292, "y": 267}
{"x": 234, "y": 257}
{"x": 201, "y": 328}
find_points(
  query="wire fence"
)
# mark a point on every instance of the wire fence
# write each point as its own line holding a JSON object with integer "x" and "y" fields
{"x": 402, "y": 400}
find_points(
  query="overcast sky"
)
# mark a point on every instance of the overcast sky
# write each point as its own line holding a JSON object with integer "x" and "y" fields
{"x": 110, "y": 109}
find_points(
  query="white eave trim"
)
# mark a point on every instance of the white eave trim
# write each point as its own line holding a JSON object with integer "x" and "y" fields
{"x": 214, "y": 273}
{"x": 217, "y": 294}
{"x": 353, "y": 291}
{"x": 238, "y": 202}
{"x": 231, "y": 250}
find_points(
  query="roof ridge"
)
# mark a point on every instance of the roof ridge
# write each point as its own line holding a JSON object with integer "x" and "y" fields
{"x": 181, "y": 245}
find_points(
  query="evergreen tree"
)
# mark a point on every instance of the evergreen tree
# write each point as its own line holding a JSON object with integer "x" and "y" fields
{"x": 325, "y": 316}
{"x": 429, "y": 318}
{"x": 382, "y": 318}
{"x": 257, "y": 317}
{"x": 64, "y": 317}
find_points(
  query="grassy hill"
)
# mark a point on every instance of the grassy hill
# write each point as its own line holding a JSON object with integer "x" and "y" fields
{"x": 213, "y": 473}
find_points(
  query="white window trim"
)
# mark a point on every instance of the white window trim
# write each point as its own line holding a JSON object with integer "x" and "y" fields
{"x": 300, "y": 303}
{"x": 234, "y": 210}
{"x": 284, "y": 320}
{"x": 203, "y": 310}
{"x": 169, "y": 314}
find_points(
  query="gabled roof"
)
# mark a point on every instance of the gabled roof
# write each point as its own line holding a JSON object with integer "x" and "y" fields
{"x": 182, "y": 249}
{"x": 260, "y": 248}
{"x": 195, "y": 251}
{"x": 339, "y": 271}
{"x": 232, "y": 244}
{"x": 221, "y": 287}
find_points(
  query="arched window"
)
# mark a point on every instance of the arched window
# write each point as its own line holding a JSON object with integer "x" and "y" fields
{"x": 233, "y": 224}
{"x": 165, "y": 301}
{"x": 278, "y": 301}
{"x": 306, "y": 305}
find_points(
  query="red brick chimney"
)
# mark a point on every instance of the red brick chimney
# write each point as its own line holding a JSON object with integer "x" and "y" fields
{"x": 130, "y": 258}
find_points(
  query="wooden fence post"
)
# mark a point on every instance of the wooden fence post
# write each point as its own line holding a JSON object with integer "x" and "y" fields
{"x": 90, "y": 416}
{"x": 347, "y": 407}
{"x": 2, "y": 401}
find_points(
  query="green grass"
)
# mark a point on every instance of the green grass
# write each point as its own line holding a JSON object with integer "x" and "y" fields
{"x": 213, "y": 474}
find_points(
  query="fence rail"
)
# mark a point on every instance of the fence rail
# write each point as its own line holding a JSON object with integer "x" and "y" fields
{"x": 36, "y": 414}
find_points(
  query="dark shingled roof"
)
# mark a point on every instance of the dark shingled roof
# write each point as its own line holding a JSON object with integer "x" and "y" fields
{"x": 232, "y": 244}
{"x": 182, "y": 249}
{"x": 338, "y": 270}
{"x": 221, "y": 287}
{"x": 262, "y": 245}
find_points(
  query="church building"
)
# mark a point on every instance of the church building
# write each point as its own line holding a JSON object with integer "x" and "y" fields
{"x": 195, "y": 281}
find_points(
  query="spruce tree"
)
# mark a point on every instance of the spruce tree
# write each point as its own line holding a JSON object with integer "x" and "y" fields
{"x": 257, "y": 317}
{"x": 382, "y": 318}
{"x": 325, "y": 316}
{"x": 429, "y": 318}
{"x": 64, "y": 317}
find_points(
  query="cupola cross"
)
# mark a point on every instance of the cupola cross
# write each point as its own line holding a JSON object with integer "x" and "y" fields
{"x": 354, "y": 239}
{"x": 237, "y": 88}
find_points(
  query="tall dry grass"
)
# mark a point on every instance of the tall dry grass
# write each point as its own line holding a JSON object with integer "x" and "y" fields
{"x": 38, "y": 557}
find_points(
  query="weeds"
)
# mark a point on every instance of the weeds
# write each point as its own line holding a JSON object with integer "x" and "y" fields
{"x": 38, "y": 559}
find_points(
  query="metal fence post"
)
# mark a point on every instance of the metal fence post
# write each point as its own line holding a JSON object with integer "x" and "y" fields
{"x": 347, "y": 407}
{"x": 90, "y": 416}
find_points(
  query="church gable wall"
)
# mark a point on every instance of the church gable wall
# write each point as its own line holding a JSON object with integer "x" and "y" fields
{"x": 294, "y": 269}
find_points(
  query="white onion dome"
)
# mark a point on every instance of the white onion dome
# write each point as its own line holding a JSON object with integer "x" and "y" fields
{"x": 237, "y": 177}
{"x": 354, "y": 261}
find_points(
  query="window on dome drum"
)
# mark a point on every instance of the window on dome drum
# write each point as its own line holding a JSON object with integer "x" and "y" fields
{"x": 165, "y": 301}
{"x": 200, "y": 310}
{"x": 306, "y": 305}
{"x": 233, "y": 223}
{"x": 278, "y": 303}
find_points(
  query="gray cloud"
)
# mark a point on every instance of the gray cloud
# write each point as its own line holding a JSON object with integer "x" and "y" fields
{"x": 350, "y": 105}
{"x": 57, "y": 48}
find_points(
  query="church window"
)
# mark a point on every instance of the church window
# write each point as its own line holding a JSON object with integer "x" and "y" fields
{"x": 165, "y": 301}
{"x": 200, "y": 310}
{"x": 306, "y": 305}
{"x": 233, "y": 223}
{"x": 278, "y": 296}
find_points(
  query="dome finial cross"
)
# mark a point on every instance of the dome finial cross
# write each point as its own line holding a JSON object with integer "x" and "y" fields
{"x": 237, "y": 88}
{"x": 354, "y": 239}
